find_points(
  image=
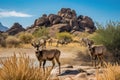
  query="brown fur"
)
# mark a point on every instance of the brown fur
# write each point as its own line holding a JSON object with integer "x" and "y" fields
{"x": 44, "y": 55}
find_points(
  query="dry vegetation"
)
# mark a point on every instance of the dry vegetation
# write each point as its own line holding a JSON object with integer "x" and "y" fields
{"x": 22, "y": 68}
{"x": 112, "y": 72}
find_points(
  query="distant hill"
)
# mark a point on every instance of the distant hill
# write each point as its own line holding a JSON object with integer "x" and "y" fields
{"x": 3, "y": 28}
{"x": 15, "y": 29}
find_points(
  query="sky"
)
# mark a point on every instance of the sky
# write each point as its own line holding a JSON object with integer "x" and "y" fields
{"x": 26, "y": 11}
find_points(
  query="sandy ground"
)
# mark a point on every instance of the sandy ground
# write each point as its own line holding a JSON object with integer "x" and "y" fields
{"x": 67, "y": 55}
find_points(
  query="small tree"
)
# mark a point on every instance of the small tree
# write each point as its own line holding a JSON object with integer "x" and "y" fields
{"x": 25, "y": 37}
{"x": 40, "y": 32}
{"x": 64, "y": 36}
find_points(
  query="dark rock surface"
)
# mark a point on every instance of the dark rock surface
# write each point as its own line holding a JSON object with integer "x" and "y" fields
{"x": 16, "y": 28}
{"x": 69, "y": 17}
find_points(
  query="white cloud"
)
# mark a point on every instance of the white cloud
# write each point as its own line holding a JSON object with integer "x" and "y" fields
{"x": 13, "y": 14}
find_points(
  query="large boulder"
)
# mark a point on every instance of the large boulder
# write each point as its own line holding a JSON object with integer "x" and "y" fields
{"x": 54, "y": 19}
{"x": 59, "y": 28}
{"x": 15, "y": 29}
{"x": 67, "y": 13}
{"x": 42, "y": 21}
{"x": 86, "y": 23}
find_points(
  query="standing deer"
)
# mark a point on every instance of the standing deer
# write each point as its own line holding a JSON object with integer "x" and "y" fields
{"x": 62, "y": 42}
{"x": 97, "y": 52}
{"x": 43, "y": 55}
{"x": 50, "y": 41}
{"x": 86, "y": 41}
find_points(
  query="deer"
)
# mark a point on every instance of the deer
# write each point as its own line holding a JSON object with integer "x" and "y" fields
{"x": 96, "y": 51}
{"x": 86, "y": 41}
{"x": 50, "y": 41}
{"x": 42, "y": 42}
{"x": 44, "y": 55}
{"x": 62, "y": 42}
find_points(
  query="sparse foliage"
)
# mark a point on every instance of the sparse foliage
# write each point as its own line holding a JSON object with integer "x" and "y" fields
{"x": 64, "y": 36}
{"x": 112, "y": 72}
{"x": 25, "y": 37}
{"x": 109, "y": 36}
{"x": 40, "y": 32}
{"x": 3, "y": 36}
{"x": 12, "y": 41}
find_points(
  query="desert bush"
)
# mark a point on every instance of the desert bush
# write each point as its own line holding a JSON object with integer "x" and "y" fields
{"x": 22, "y": 68}
{"x": 40, "y": 32}
{"x": 12, "y": 41}
{"x": 25, "y": 37}
{"x": 64, "y": 36}
{"x": 108, "y": 35}
{"x": 112, "y": 72}
{"x": 3, "y": 36}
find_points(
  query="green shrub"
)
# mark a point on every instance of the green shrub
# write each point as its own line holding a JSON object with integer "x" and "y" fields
{"x": 43, "y": 31}
{"x": 12, "y": 41}
{"x": 25, "y": 37}
{"x": 109, "y": 36}
{"x": 64, "y": 36}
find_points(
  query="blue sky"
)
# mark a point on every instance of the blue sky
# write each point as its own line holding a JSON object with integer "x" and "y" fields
{"x": 26, "y": 11}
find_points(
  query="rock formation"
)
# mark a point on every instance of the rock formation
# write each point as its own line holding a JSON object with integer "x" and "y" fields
{"x": 16, "y": 28}
{"x": 67, "y": 17}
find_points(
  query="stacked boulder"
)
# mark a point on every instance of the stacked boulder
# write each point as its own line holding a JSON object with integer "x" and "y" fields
{"x": 69, "y": 18}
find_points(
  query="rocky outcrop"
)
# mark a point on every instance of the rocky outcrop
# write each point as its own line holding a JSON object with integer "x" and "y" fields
{"x": 16, "y": 28}
{"x": 69, "y": 17}
{"x": 59, "y": 28}
{"x": 54, "y": 19}
{"x": 42, "y": 21}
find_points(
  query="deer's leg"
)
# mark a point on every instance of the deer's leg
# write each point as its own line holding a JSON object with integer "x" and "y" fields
{"x": 57, "y": 44}
{"x": 57, "y": 59}
{"x": 53, "y": 62}
{"x": 45, "y": 45}
{"x": 101, "y": 59}
{"x": 40, "y": 62}
{"x": 92, "y": 60}
{"x": 44, "y": 65}
{"x": 95, "y": 60}
{"x": 51, "y": 43}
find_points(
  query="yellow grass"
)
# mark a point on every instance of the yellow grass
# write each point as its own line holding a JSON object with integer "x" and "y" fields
{"x": 112, "y": 72}
{"x": 22, "y": 68}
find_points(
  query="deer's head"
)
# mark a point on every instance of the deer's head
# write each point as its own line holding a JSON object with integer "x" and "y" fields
{"x": 36, "y": 45}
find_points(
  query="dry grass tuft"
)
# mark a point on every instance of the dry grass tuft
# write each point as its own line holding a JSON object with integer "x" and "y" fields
{"x": 22, "y": 68}
{"x": 112, "y": 72}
